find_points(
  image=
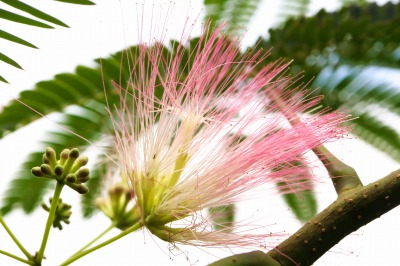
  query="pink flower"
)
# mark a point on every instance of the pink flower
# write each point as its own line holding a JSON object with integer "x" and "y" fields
{"x": 195, "y": 134}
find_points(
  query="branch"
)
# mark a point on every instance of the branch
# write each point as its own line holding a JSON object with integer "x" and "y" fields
{"x": 352, "y": 210}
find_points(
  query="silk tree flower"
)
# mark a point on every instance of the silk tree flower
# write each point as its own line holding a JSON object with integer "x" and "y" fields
{"x": 196, "y": 134}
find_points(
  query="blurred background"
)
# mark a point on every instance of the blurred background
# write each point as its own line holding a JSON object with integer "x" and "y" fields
{"x": 348, "y": 51}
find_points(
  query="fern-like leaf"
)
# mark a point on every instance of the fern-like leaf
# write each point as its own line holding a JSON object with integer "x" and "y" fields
{"x": 356, "y": 91}
{"x": 83, "y": 91}
{"x": 346, "y": 40}
{"x": 34, "y": 12}
{"x": 354, "y": 36}
{"x": 292, "y": 8}
{"x": 25, "y": 190}
{"x": 77, "y": 2}
{"x": 3, "y": 80}
{"x": 7, "y": 15}
{"x": 235, "y": 12}
{"x": 13, "y": 38}
{"x": 302, "y": 203}
{"x": 29, "y": 9}
{"x": 9, "y": 61}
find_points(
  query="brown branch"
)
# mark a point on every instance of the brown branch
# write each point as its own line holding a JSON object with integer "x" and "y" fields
{"x": 352, "y": 210}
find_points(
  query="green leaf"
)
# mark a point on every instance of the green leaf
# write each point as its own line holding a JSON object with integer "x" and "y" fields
{"x": 380, "y": 135}
{"x": 242, "y": 11}
{"x": 4, "y": 14}
{"x": 215, "y": 8}
{"x": 79, "y": 2}
{"x": 303, "y": 204}
{"x": 3, "y": 80}
{"x": 235, "y": 12}
{"x": 25, "y": 191}
{"x": 83, "y": 90}
{"x": 13, "y": 38}
{"x": 359, "y": 2}
{"x": 353, "y": 36}
{"x": 48, "y": 96}
{"x": 345, "y": 41}
{"x": 9, "y": 61}
{"x": 354, "y": 89}
{"x": 33, "y": 11}
{"x": 292, "y": 8}
{"x": 223, "y": 217}
{"x": 67, "y": 89}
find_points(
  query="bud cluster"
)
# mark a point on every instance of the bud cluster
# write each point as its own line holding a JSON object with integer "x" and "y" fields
{"x": 62, "y": 214}
{"x": 115, "y": 206}
{"x": 68, "y": 169}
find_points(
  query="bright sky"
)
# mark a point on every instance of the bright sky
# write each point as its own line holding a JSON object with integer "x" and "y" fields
{"x": 99, "y": 30}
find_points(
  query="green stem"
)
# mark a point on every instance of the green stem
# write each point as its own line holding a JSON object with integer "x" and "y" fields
{"x": 50, "y": 219}
{"x": 94, "y": 240}
{"x": 105, "y": 243}
{"x": 21, "y": 247}
{"x": 16, "y": 257}
{"x": 344, "y": 177}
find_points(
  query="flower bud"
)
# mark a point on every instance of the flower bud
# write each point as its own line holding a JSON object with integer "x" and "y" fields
{"x": 81, "y": 161}
{"x": 71, "y": 178}
{"x": 58, "y": 170}
{"x": 62, "y": 214}
{"x": 82, "y": 189}
{"x": 82, "y": 175}
{"x": 46, "y": 169}
{"x": 68, "y": 170}
{"x": 51, "y": 156}
{"x": 64, "y": 156}
{"x": 114, "y": 206}
{"x": 74, "y": 154}
{"x": 45, "y": 160}
{"x": 36, "y": 171}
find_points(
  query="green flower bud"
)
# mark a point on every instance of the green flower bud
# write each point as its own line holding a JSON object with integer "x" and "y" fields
{"x": 115, "y": 206}
{"x": 102, "y": 205}
{"x": 81, "y": 161}
{"x": 64, "y": 156}
{"x": 74, "y": 154}
{"x": 37, "y": 172}
{"x": 62, "y": 214}
{"x": 82, "y": 175}
{"x": 51, "y": 156}
{"x": 82, "y": 189}
{"x": 129, "y": 218}
{"x": 46, "y": 169}
{"x": 45, "y": 160}
{"x": 58, "y": 170}
{"x": 68, "y": 170}
{"x": 71, "y": 178}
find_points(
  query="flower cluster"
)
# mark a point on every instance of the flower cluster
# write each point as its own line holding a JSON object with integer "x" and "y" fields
{"x": 196, "y": 134}
{"x": 67, "y": 170}
{"x": 116, "y": 206}
{"x": 62, "y": 214}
